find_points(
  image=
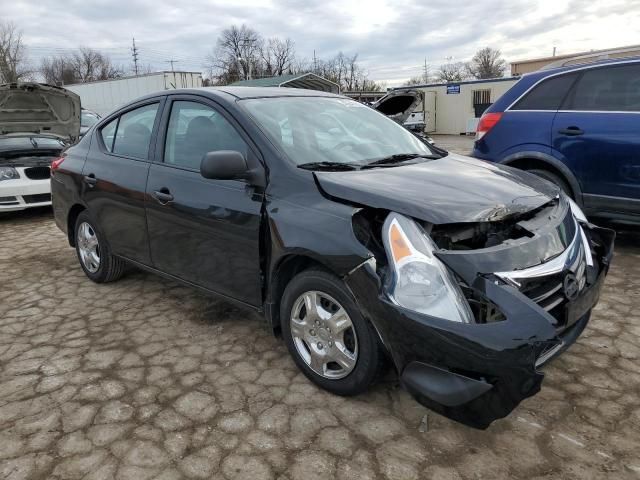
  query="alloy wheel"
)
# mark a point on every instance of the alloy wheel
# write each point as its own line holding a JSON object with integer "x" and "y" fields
{"x": 324, "y": 335}
{"x": 88, "y": 247}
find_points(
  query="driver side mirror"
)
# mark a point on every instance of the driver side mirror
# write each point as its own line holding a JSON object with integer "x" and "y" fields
{"x": 224, "y": 165}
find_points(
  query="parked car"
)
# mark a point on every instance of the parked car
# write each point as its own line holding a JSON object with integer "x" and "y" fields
{"x": 577, "y": 126}
{"x": 36, "y": 123}
{"x": 87, "y": 120}
{"x": 400, "y": 105}
{"x": 468, "y": 276}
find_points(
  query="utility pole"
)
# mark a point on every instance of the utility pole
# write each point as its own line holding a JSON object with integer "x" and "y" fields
{"x": 426, "y": 71}
{"x": 134, "y": 54}
{"x": 315, "y": 62}
{"x": 172, "y": 62}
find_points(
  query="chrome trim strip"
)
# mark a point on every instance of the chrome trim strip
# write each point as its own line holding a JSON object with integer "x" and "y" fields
{"x": 553, "y": 266}
{"x": 547, "y": 294}
{"x": 554, "y": 304}
{"x": 542, "y": 359}
{"x": 587, "y": 248}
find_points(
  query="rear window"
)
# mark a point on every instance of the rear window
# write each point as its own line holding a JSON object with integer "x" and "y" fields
{"x": 26, "y": 143}
{"x": 608, "y": 89}
{"x": 548, "y": 94}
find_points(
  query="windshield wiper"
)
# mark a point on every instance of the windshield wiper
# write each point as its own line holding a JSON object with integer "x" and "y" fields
{"x": 397, "y": 158}
{"x": 328, "y": 166}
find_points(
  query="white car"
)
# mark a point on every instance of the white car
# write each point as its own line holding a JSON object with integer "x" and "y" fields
{"x": 37, "y": 122}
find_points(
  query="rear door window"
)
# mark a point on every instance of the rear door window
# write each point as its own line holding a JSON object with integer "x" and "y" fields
{"x": 133, "y": 134}
{"x": 613, "y": 89}
{"x": 108, "y": 133}
{"x": 548, "y": 94}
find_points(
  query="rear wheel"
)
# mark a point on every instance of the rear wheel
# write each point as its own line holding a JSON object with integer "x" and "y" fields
{"x": 94, "y": 253}
{"x": 553, "y": 178}
{"x": 327, "y": 336}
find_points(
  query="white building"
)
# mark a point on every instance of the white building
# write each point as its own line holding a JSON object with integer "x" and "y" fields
{"x": 454, "y": 108}
{"x": 105, "y": 95}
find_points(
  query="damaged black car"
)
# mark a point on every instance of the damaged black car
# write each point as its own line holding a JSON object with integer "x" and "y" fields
{"x": 358, "y": 241}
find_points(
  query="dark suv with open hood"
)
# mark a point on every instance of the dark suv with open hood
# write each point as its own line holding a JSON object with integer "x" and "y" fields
{"x": 356, "y": 240}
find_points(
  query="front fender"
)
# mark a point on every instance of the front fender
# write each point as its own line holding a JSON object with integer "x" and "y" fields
{"x": 545, "y": 158}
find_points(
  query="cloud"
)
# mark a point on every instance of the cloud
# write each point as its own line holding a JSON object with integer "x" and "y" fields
{"x": 391, "y": 38}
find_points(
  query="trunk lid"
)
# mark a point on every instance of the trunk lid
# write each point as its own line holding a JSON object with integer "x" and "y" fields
{"x": 398, "y": 104}
{"x": 39, "y": 109}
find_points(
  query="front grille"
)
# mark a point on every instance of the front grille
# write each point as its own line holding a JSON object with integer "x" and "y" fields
{"x": 8, "y": 200}
{"x": 548, "y": 292}
{"x": 39, "y": 198}
{"x": 555, "y": 283}
{"x": 38, "y": 173}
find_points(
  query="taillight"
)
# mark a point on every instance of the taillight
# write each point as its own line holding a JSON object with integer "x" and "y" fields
{"x": 486, "y": 123}
{"x": 55, "y": 165}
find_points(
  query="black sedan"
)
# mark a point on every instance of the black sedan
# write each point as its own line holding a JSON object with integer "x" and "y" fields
{"x": 358, "y": 241}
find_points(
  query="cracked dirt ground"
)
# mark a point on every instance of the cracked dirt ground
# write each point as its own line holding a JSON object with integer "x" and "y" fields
{"x": 146, "y": 379}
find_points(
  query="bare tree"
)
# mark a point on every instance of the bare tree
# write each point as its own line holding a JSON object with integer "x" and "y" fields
{"x": 90, "y": 65}
{"x": 57, "y": 70}
{"x": 241, "y": 53}
{"x": 85, "y": 65}
{"x": 487, "y": 63}
{"x": 277, "y": 56}
{"x": 451, "y": 72}
{"x": 13, "y": 54}
{"x": 418, "y": 80}
{"x": 237, "y": 54}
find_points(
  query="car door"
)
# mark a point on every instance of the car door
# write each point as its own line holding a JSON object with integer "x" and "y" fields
{"x": 115, "y": 177}
{"x": 201, "y": 230}
{"x": 598, "y": 128}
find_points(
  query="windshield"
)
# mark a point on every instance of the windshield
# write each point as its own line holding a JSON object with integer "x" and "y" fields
{"x": 319, "y": 130}
{"x": 88, "y": 119}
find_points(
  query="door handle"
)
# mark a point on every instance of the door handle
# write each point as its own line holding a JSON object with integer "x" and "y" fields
{"x": 163, "y": 196}
{"x": 571, "y": 131}
{"x": 90, "y": 180}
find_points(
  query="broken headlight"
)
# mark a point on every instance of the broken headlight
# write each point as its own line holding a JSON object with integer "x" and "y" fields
{"x": 8, "y": 173}
{"x": 420, "y": 281}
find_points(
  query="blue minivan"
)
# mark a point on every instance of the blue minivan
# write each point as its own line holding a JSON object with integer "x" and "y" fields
{"x": 577, "y": 126}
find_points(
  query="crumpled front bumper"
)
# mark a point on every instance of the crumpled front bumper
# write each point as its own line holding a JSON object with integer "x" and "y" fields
{"x": 475, "y": 373}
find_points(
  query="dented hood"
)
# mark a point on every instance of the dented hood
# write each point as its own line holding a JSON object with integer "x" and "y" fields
{"x": 399, "y": 104}
{"x": 453, "y": 189}
{"x": 40, "y": 109}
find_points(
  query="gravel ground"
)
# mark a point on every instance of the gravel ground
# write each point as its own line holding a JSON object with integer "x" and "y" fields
{"x": 146, "y": 379}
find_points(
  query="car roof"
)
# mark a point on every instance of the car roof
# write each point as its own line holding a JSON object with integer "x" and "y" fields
{"x": 233, "y": 93}
{"x": 258, "y": 92}
{"x": 546, "y": 72}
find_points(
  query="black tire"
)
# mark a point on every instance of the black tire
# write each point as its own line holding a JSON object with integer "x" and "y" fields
{"x": 110, "y": 268}
{"x": 370, "y": 359}
{"x": 553, "y": 178}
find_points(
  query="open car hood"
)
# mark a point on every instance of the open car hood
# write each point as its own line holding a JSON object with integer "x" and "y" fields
{"x": 453, "y": 189}
{"x": 40, "y": 109}
{"x": 398, "y": 104}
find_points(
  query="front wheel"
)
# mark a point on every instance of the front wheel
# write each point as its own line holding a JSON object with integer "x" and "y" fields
{"x": 95, "y": 256}
{"x": 327, "y": 336}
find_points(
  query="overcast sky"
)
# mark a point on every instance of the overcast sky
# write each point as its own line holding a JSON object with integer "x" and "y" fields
{"x": 392, "y": 37}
